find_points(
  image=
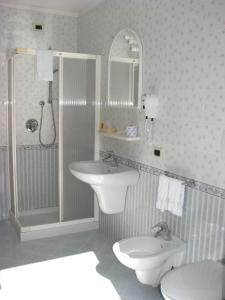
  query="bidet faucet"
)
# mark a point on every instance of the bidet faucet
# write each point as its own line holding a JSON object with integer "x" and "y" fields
{"x": 164, "y": 231}
{"x": 110, "y": 158}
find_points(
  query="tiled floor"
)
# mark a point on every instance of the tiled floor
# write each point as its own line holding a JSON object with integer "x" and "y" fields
{"x": 84, "y": 265}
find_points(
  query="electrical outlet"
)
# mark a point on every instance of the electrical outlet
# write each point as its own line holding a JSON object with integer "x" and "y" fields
{"x": 38, "y": 27}
{"x": 157, "y": 151}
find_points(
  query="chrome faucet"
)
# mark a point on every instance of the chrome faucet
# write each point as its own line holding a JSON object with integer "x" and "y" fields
{"x": 164, "y": 231}
{"x": 110, "y": 158}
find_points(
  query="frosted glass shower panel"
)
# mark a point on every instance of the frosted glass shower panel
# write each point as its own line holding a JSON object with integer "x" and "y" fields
{"x": 37, "y": 164}
{"x": 78, "y": 134}
{"x": 10, "y": 134}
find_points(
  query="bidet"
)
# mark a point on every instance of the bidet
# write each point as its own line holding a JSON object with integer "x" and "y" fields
{"x": 150, "y": 257}
{"x": 163, "y": 231}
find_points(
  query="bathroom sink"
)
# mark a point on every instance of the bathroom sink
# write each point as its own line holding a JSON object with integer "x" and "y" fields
{"x": 150, "y": 257}
{"x": 109, "y": 182}
{"x": 97, "y": 172}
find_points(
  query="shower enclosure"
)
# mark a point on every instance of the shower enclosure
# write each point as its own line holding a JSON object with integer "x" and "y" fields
{"x": 51, "y": 125}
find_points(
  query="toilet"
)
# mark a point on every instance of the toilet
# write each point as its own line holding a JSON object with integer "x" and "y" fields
{"x": 198, "y": 281}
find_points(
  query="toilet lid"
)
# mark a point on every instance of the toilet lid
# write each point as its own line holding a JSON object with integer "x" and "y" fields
{"x": 199, "y": 281}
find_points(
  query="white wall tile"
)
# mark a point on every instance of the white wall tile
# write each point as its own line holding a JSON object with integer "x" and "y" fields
{"x": 201, "y": 225}
{"x": 16, "y": 30}
{"x": 184, "y": 61}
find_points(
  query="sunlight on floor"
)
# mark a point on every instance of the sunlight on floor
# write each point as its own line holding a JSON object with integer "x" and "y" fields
{"x": 72, "y": 277}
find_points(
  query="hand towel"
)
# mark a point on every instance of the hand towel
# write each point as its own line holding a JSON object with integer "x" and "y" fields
{"x": 176, "y": 196}
{"x": 163, "y": 193}
{"x": 44, "y": 65}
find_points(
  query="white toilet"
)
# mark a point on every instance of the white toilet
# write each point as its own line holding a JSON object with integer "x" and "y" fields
{"x": 198, "y": 281}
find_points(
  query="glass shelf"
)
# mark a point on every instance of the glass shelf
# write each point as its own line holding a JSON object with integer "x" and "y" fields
{"x": 120, "y": 137}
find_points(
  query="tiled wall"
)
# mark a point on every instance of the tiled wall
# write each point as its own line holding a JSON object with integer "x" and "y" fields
{"x": 16, "y": 30}
{"x": 28, "y": 94}
{"x": 37, "y": 175}
{"x": 202, "y": 225}
{"x": 183, "y": 63}
{"x": 4, "y": 191}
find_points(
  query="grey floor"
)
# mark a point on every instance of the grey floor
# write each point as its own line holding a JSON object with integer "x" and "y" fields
{"x": 15, "y": 253}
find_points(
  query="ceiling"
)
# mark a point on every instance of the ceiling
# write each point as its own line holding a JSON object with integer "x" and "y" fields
{"x": 61, "y": 7}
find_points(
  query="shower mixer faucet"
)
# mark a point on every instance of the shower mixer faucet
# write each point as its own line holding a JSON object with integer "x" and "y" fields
{"x": 163, "y": 231}
{"x": 110, "y": 158}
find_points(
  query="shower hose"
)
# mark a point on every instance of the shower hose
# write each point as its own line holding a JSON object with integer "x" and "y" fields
{"x": 42, "y": 103}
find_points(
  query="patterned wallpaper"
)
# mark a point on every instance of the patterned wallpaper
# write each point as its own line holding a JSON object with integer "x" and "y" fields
{"x": 184, "y": 64}
{"x": 28, "y": 93}
{"x": 201, "y": 227}
{"x": 16, "y": 30}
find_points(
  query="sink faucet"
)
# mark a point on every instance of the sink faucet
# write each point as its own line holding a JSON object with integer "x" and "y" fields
{"x": 110, "y": 158}
{"x": 163, "y": 231}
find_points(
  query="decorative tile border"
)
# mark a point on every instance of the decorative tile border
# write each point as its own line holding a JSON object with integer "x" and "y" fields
{"x": 190, "y": 182}
{"x": 36, "y": 147}
{"x": 29, "y": 147}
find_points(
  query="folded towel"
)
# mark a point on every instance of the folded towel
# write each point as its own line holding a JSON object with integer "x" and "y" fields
{"x": 170, "y": 195}
{"x": 176, "y": 197}
{"x": 44, "y": 65}
{"x": 163, "y": 192}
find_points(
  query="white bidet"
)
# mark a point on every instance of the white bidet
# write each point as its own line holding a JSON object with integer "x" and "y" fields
{"x": 150, "y": 257}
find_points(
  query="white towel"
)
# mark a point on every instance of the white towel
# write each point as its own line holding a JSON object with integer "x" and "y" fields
{"x": 170, "y": 195}
{"x": 176, "y": 197}
{"x": 163, "y": 193}
{"x": 44, "y": 65}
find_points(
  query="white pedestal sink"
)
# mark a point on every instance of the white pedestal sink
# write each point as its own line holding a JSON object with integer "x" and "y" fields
{"x": 109, "y": 183}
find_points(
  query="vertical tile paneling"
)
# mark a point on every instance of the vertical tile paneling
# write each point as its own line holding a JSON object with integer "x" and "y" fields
{"x": 189, "y": 230}
{"x": 37, "y": 178}
{"x": 221, "y": 230}
{"x": 202, "y": 225}
{"x": 4, "y": 188}
{"x": 37, "y": 175}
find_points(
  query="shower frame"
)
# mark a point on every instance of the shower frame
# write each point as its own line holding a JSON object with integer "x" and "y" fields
{"x": 60, "y": 227}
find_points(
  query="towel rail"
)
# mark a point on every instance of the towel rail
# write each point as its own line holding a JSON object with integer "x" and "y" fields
{"x": 186, "y": 181}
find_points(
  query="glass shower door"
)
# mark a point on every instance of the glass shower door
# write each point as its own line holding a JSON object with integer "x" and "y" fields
{"x": 36, "y": 163}
{"x": 77, "y": 136}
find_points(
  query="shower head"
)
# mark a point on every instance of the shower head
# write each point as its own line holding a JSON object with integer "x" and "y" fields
{"x": 55, "y": 70}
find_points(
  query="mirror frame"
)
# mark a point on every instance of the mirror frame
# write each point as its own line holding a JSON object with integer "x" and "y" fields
{"x": 140, "y": 68}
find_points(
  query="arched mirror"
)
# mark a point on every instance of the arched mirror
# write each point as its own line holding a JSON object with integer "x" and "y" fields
{"x": 125, "y": 70}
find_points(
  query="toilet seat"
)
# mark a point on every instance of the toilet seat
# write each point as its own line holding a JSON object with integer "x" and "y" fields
{"x": 198, "y": 281}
